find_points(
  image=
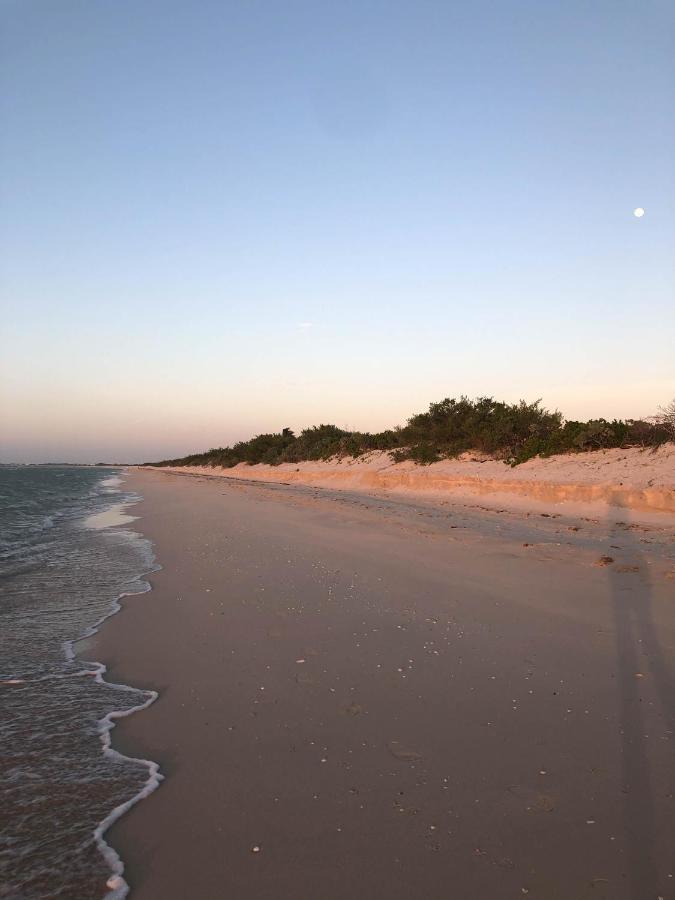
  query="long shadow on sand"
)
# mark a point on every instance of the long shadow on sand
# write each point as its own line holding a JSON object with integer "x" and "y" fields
{"x": 639, "y": 653}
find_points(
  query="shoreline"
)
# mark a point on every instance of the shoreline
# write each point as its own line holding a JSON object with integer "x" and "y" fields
{"x": 636, "y": 479}
{"x": 116, "y": 516}
{"x": 367, "y": 689}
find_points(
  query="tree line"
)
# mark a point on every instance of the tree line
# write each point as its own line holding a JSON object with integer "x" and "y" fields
{"x": 513, "y": 432}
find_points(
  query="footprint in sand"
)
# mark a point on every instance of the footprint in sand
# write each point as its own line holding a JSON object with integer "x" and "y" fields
{"x": 398, "y": 751}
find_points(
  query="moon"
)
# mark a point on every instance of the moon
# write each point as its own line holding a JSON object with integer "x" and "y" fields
{"x": 639, "y": 212}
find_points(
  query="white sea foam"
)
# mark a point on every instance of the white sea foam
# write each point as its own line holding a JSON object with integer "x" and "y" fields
{"x": 113, "y": 482}
{"x": 117, "y": 886}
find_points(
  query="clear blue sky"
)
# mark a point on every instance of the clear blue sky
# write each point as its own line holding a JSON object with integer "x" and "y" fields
{"x": 220, "y": 218}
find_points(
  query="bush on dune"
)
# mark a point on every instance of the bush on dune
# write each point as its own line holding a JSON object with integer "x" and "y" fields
{"x": 666, "y": 419}
{"x": 513, "y": 432}
{"x": 317, "y": 442}
{"x": 484, "y": 425}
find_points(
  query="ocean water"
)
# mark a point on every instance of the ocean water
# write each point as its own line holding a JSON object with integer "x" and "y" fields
{"x": 65, "y": 560}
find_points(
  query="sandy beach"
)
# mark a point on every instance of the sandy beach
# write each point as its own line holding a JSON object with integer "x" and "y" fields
{"x": 386, "y": 696}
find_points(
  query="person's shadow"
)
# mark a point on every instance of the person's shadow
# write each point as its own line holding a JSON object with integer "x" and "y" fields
{"x": 639, "y": 654}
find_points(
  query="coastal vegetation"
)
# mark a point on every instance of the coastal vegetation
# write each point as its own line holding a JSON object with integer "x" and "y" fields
{"x": 513, "y": 432}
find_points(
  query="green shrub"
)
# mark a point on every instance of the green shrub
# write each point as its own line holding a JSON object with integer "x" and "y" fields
{"x": 513, "y": 432}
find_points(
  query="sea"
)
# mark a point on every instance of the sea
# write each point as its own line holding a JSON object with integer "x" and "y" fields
{"x": 68, "y": 553}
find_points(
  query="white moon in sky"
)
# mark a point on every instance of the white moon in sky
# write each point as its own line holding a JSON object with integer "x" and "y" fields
{"x": 639, "y": 212}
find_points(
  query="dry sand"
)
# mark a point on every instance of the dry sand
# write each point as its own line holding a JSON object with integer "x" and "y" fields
{"x": 638, "y": 479}
{"x": 397, "y": 699}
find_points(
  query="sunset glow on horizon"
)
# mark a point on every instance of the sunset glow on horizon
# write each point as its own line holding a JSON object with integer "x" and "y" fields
{"x": 234, "y": 219}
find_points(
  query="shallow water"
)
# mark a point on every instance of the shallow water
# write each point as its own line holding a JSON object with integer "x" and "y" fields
{"x": 65, "y": 560}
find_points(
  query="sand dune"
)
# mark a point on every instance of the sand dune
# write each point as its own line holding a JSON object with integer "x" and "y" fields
{"x": 636, "y": 479}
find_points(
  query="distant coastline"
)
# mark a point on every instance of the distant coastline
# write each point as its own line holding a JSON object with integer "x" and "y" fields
{"x": 60, "y": 465}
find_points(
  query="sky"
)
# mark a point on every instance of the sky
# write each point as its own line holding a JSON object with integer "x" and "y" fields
{"x": 221, "y": 218}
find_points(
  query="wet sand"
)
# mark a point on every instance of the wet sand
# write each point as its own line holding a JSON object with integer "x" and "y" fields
{"x": 396, "y": 698}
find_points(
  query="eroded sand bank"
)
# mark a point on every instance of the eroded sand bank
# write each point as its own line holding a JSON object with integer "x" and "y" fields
{"x": 396, "y": 698}
{"x": 635, "y": 479}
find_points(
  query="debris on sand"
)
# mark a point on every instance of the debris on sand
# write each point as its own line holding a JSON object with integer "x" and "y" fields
{"x": 605, "y": 561}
